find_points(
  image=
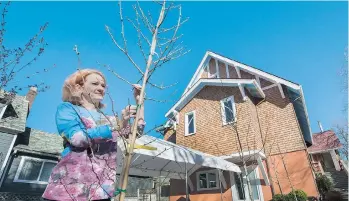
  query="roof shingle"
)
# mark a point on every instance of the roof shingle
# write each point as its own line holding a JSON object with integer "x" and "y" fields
{"x": 324, "y": 141}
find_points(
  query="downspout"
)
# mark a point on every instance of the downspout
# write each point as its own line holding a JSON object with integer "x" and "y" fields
{"x": 266, "y": 158}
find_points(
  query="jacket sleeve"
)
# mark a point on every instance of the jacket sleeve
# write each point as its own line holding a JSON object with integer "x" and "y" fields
{"x": 70, "y": 127}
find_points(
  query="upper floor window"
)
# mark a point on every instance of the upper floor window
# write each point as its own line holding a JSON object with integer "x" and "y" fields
{"x": 228, "y": 110}
{"x": 34, "y": 170}
{"x": 207, "y": 180}
{"x": 190, "y": 127}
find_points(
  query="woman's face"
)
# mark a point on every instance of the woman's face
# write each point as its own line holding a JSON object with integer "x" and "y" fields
{"x": 93, "y": 88}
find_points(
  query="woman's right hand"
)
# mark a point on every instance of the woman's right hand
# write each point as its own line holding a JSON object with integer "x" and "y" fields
{"x": 129, "y": 112}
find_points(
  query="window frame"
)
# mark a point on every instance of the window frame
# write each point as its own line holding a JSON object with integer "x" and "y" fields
{"x": 258, "y": 184}
{"x": 224, "y": 119}
{"x": 2, "y": 111}
{"x": 20, "y": 167}
{"x": 206, "y": 172}
{"x": 186, "y": 123}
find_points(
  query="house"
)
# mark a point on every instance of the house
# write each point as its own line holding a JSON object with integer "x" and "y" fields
{"x": 247, "y": 116}
{"x": 27, "y": 155}
{"x": 324, "y": 154}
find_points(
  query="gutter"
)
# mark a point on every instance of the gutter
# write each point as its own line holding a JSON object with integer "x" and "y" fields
{"x": 306, "y": 113}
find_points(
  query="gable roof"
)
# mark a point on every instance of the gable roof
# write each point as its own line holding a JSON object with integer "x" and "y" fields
{"x": 19, "y": 106}
{"x": 242, "y": 66}
{"x": 39, "y": 142}
{"x": 324, "y": 141}
{"x": 250, "y": 85}
{"x": 296, "y": 91}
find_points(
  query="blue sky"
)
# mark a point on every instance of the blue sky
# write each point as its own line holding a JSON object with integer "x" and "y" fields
{"x": 300, "y": 41}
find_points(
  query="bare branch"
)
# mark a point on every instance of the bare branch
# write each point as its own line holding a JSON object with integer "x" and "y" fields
{"x": 28, "y": 47}
{"x": 145, "y": 20}
{"x": 75, "y": 48}
{"x": 112, "y": 71}
{"x": 122, "y": 27}
{"x": 139, "y": 30}
{"x": 158, "y": 101}
{"x": 162, "y": 86}
{"x": 123, "y": 50}
{"x": 163, "y": 30}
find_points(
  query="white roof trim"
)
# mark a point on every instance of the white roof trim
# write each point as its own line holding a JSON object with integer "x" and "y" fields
{"x": 242, "y": 66}
{"x": 212, "y": 82}
{"x": 245, "y": 154}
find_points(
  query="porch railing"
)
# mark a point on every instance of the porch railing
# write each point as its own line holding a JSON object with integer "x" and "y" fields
{"x": 317, "y": 167}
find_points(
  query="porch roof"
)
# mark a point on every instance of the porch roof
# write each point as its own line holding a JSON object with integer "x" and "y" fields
{"x": 169, "y": 159}
{"x": 251, "y": 155}
{"x": 324, "y": 141}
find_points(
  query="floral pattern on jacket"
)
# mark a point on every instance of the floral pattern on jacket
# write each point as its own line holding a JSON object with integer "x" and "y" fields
{"x": 87, "y": 170}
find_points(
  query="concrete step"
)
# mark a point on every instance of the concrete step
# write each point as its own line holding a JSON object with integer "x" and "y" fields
{"x": 339, "y": 179}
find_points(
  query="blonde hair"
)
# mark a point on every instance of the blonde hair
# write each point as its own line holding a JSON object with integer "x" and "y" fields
{"x": 71, "y": 93}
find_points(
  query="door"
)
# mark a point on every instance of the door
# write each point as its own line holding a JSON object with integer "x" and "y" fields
{"x": 239, "y": 187}
{"x": 328, "y": 162}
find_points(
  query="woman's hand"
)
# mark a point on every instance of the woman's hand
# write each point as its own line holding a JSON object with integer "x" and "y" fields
{"x": 136, "y": 92}
{"x": 130, "y": 111}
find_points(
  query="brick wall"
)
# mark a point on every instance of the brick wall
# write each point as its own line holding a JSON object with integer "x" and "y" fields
{"x": 276, "y": 116}
{"x": 211, "y": 135}
{"x": 279, "y": 124}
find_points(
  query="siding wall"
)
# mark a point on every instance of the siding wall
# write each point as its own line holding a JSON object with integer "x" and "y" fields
{"x": 5, "y": 143}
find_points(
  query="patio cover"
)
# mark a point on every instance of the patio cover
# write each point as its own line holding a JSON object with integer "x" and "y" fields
{"x": 169, "y": 159}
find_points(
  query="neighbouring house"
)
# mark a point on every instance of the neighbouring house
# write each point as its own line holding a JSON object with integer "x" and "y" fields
{"x": 244, "y": 115}
{"x": 326, "y": 159}
{"x": 28, "y": 155}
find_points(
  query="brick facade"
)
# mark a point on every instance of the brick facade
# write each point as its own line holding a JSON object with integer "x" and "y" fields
{"x": 272, "y": 123}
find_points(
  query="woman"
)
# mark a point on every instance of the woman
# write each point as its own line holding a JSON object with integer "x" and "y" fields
{"x": 87, "y": 170}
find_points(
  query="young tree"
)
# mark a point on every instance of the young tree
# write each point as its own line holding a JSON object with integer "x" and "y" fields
{"x": 161, "y": 46}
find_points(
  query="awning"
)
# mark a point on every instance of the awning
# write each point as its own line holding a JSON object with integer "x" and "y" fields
{"x": 169, "y": 159}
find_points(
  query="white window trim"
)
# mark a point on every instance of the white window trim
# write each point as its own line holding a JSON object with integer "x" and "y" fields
{"x": 206, "y": 172}
{"x": 19, "y": 169}
{"x": 230, "y": 98}
{"x": 2, "y": 112}
{"x": 186, "y": 123}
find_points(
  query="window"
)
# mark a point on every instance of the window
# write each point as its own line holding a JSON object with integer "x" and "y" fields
{"x": 34, "y": 170}
{"x": 207, "y": 180}
{"x": 253, "y": 178}
{"x": 239, "y": 186}
{"x": 228, "y": 110}
{"x": 190, "y": 127}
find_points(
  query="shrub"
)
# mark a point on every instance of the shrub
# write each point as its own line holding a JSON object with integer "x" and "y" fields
{"x": 279, "y": 197}
{"x": 323, "y": 184}
{"x": 301, "y": 195}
